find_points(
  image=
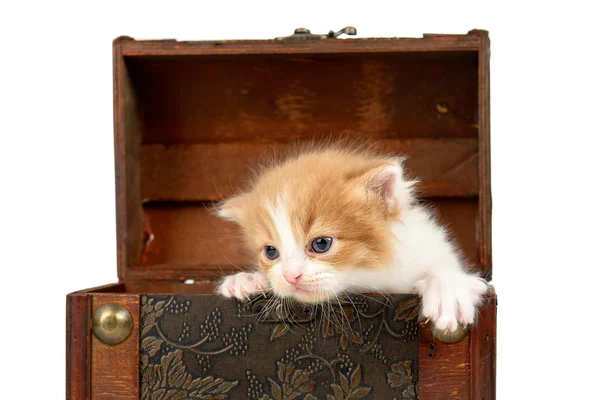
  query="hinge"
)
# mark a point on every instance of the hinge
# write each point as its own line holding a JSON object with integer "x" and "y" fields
{"x": 304, "y": 34}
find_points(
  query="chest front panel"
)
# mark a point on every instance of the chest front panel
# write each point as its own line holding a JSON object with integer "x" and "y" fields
{"x": 202, "y": 346}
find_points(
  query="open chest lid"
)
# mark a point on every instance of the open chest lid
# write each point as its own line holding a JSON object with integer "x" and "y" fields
{"x": 191, "y": 117}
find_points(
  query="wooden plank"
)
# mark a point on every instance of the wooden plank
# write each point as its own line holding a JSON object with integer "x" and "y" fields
{"x": 212, "y": 171}
{"x": 190, "y": 235}
{"x": 127, "y": 133}
{"x": 460, "y": 216}
{"x": 444, "y": 369}
{"x": 280, "y": 98}
{"x": 483, "y": 351}
{"x": 233, "y": 47}
{"x": 170, "y": 287}
{"x": 189, "y": 241}
{"x": 78, "y": 346}
{"x": 115, "y": 368}
{"x": 463, "y": 370}
{"x": 485, "y": 189}
{"x": 79, "y": 340}
{"x": 109, "y": 288}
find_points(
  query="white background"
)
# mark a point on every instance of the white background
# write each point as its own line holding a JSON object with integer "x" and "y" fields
{"x": 57, "y": 222}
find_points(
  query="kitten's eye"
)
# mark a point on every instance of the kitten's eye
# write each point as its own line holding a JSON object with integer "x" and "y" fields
{"x": 321, "y": 245}
{"x": 271, "y": 252}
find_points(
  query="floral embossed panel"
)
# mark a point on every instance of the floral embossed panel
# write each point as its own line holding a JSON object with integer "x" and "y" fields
{"x": 208, "y": 347}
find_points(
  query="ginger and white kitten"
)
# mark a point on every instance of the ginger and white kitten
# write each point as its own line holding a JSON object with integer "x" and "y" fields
{"x": 334, "y": 220}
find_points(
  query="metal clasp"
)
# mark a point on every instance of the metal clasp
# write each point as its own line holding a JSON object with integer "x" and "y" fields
{"x": 304, "y": 34}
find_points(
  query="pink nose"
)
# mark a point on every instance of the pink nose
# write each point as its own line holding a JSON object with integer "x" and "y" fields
{"x": 292, "y": 278}
{"x": 293, "y": 271}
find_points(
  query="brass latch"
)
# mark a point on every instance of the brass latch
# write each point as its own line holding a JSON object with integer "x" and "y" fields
{"x": 304, "y": 34}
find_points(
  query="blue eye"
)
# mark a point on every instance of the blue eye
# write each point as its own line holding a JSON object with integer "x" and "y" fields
{"x": 321, "y": 245}
{"x": 271, "y": 252}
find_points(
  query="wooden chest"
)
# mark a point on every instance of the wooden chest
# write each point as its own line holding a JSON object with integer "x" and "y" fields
{"x": 190, "y": 117}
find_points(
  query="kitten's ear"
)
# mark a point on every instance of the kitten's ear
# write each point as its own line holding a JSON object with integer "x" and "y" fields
{"x": 387, "y": 179}
{"x": 232, "y": 209}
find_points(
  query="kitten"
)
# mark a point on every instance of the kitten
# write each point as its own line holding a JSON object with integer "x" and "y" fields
{"x": 333, "y": 220}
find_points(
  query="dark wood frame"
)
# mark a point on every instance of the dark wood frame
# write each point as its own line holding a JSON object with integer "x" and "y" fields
{"x": 472, "y": 360}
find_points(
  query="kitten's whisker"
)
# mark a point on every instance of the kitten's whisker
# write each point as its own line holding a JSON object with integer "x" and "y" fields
{"x": 320, "y": 325}
{"x": 386, "y": 296}
{"x": 343, "y": 315}
{"x": 387, "y": 300}
{"x": 224, "y": 275}
{"x": 334, "y": 317}
{"x": 265, "y": 311}
{"x": 217, "y": 190}
{"x": 274, "y": 303}
{"x": 238, "y": 267}
{"x": 354, "y": 306}
{"x": 364, "y": 289}
{"x": 214, "y": 212}
{"x": 357, "y": 316}
{"x": 288, "y": 312}
{"x": 231, "y": 185}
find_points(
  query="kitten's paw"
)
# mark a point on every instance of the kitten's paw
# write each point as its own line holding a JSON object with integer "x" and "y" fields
{"x": 449, "y": 301}
{"x": 242, "y": 285}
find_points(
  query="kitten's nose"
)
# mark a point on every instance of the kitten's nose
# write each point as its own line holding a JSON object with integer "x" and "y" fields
{"x": 293, "y": 271}
{"x": 292, "y": 278}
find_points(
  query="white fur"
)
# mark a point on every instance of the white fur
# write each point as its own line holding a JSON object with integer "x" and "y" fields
{"x": 243, "y": 284}
{"x": 282, "y": 221}
{"x": 425, "y": 261}
{"x": 292, "y": 255}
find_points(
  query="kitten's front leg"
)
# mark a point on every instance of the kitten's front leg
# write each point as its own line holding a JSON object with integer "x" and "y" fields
{"x": 451, "y": 297}
{"x": 242, "y": 285}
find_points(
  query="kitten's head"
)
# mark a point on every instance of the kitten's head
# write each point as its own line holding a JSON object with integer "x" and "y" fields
{"x": 312, "y": 219}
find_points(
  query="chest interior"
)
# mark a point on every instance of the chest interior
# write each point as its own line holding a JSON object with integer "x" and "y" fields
{"x": 189, "y": 126}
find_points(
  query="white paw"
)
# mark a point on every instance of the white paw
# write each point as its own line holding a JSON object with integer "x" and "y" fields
{"x": 242, "y": 285}
{"x": 451, "y": 300}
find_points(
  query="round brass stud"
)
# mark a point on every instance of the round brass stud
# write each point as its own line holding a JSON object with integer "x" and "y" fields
{"x": 449, "y": 337}
{"x": 111, "y": 323}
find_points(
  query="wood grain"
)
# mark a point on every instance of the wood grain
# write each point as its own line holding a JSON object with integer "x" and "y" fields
{"x": 483, "y": 351}
{"x": 444, "y": 369}
{"x": 429, "y": 43}
{"x": 170, "y": 287}
{"x": 127, "y": 131}
{"x": 79, "y": 339}
{"x": 279, "y": 98}
{"x": 109, "y": 288}
{"x": 78, "y": 346}
{"x": 485, "y": 188}
{"x": 115, "y": 368}
{"x": 227, "y": 93}
{"x": 189, "y": 241}
{"x": 212, "y": 171}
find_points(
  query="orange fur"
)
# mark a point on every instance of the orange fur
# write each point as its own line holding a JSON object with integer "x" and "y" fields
{"x": 361, "y": 203}
{"x": 332, "y": 190}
